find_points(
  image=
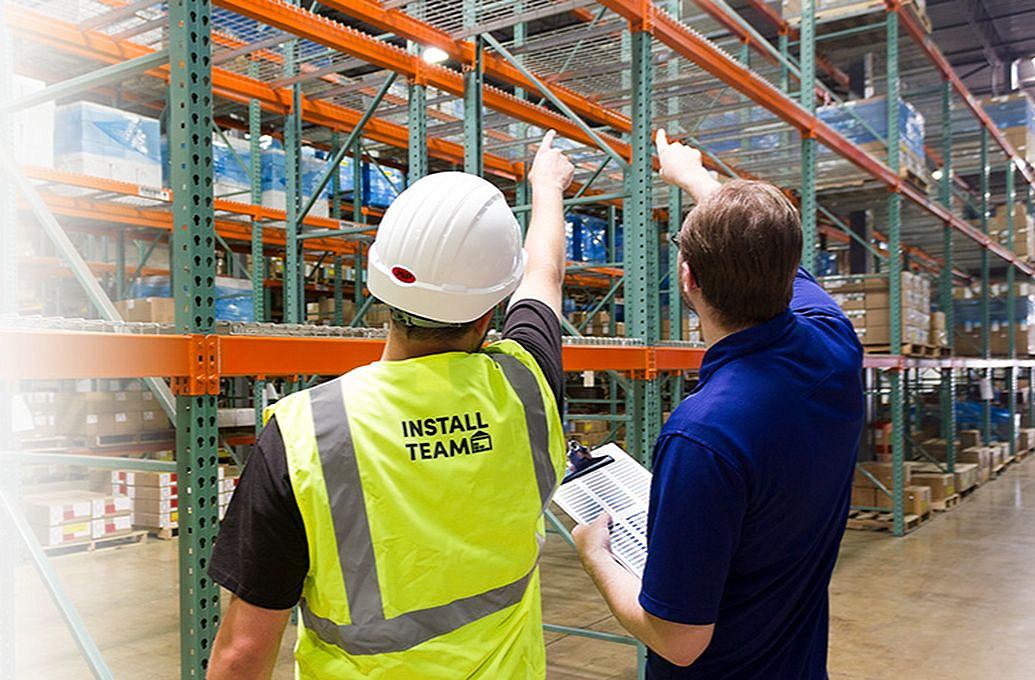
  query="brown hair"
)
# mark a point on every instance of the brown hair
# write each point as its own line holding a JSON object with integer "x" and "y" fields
{"x": 743, "y": 245}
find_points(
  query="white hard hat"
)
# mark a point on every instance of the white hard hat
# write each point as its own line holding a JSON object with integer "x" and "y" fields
{"x": 448, "y": 249}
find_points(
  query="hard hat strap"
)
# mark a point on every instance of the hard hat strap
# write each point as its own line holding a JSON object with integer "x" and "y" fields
{"x": 414, "y": 321}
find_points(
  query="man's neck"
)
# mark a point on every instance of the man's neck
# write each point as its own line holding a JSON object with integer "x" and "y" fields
{"x": 713, "y": 331}
{"x": 398, "y": 348}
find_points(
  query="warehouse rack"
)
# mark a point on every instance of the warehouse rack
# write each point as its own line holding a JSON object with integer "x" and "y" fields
{"x": 270, "y": 67}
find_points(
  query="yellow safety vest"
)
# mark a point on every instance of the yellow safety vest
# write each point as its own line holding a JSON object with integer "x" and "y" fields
{"x": 422, "y": 485}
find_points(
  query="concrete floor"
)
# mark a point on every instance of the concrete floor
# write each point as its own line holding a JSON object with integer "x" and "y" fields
{"x": 952, "y": 600}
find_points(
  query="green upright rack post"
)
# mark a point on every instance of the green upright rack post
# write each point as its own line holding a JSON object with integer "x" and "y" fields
{"x": 1011, "y": 328}
{"x": 473, "y": 112}
{"x": 294, "y": 293}
{"x": 258, "y": 255}
{"x": 895, "y": 279}
{"x": 193, "y": 263}
{"x": 641, "y": 250}
{"x": 807, "y": 61}
{"x": 947, "y": 392}
{"x": 986, "y": 316}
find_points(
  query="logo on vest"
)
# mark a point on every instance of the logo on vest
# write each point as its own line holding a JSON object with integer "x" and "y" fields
{"x": 447, "y": 436}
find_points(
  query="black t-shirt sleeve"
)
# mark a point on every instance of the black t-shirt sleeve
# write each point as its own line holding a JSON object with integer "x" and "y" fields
{"x": 261, "y": 554}
{"x": 535, "y": 327}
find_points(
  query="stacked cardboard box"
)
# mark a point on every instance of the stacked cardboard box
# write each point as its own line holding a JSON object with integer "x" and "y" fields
{"x": 591, "y": 433}
{"x": 939, "y": 333}
{"x": 228, "y": 478}
{"x": 154, "y": 494}
{"x": 968, "y": 451}
{"x": 1025, "y": 438}
{"x": 867, "y": 494}
{"x": 147, "y": 309}
{"x": 1023, "y": 229}
{"x": 323, "y": 311}
{"x": 111, "y": 413}
{"x": 969, "y": 318}
{"x": 62, "y": 517}
{"x": 942, "y": 485}
{"x": 1014, "y": 115}
{"x": 865, "y": 301}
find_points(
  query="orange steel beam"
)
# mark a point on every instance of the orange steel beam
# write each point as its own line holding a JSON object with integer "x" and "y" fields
{"x": 49, "y": 354}
{"x": 228, "y": 85}
{"x": 695, "y": 47}
{"x": 150, "y": 218}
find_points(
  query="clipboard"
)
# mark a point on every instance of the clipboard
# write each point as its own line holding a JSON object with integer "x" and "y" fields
{"x": 617, "y": 484}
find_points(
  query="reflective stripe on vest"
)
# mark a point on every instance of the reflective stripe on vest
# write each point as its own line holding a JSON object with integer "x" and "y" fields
{"x": 370, "y": 632}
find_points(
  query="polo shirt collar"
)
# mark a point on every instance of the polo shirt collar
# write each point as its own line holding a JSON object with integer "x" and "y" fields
{"x": 743, "y": 342}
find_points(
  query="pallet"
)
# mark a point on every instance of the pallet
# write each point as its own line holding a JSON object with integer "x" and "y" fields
{"x": 965, "y": 493}
{"x": 998, "y": 470}
{"x": 164, "y": 533}
{"x": 908, "y": 349}
{"x": 131, "y": 537}
{"x": 947, "y": 504}
{"x": 859, "y": 13}
{"x": 870, "y": 520}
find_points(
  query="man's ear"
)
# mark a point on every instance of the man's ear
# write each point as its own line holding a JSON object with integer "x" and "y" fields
{"x": 687, "y": 281}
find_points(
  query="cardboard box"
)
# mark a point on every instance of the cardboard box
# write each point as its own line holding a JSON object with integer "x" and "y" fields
{"x": 970, "y": 438}
{"x": 865, "y": 497}
{"x": 966, "y": 476}
{"x": 58, "y": 507}
{"x": 156, "y": 521}
{"x": 146, "y": 492}
{"x": 106, "y": 526}
{"x": 64, "y": 533}
{"x": 128, "y": 422}
{"x": 916, "y": 500}
{"x": 882, "y": 471}
{"x": 153, "y": 421}
{"x": 156, "y": 506}
{"x": 941, "y": 484}
{"x": 134, "y": 478}
{"x": 149, "y": 309}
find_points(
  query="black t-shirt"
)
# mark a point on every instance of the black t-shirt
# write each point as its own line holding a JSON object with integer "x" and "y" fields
{"x": 261, "y": 554}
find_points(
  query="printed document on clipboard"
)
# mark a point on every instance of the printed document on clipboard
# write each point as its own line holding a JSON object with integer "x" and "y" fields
{"x": 619, "y": 486}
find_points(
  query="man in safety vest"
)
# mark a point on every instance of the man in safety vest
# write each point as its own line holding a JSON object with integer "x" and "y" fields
{"x": 400, "y": 506}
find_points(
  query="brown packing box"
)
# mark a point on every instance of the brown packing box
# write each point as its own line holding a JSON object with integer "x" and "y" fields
{"x": 109, "y": 526}
{"x": 882, "y": 471}
{"x": 970, "y": 438}
{"x": 155, "y": 506}
{"x": 156, "y": 521}
{"x": 153, "y": 421}
{"x": 152, "y": 309}
{"x": 942, "y": 484}
{"x": 864, "y": 497}
{"x": 966, "y": 476}
{"x": 128, "y": 423}
{"x": 58, "y": 507}
{"x": 916, "y": 500}
{"x": 64, "y": 533}
{"x": 136, "y": 478}
{"x": 978, "y": 455}
{"x": 145, "y": 492}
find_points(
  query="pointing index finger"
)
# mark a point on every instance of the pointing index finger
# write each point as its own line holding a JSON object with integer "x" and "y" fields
{"x": 548, "y": 139}
{"x": 661, "y": 139}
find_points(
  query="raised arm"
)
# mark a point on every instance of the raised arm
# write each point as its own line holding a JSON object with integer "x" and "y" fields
{"x": 681, "y": 166}
{"x": 550, "y": 175}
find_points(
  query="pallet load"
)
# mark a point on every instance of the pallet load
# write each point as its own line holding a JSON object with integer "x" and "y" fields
{"x": 978, "y": 456}
{"x": 155, "y": 498}
{"x": 865, "y": 302}
{"x": 1014, "y": 115}
{"x": 941, "y": 485}
{"x": 100, "y": 141}
{"x": 866, "y": 493}
{"x": 939, "y": 336}
{"x": 858, "y": 121}
{"x": 843, "y": 10}
{"x": 1023, "y": 229}
{"x": 590, "y": 433}
{"x": 61, "y": 518}
{"x": 969, "y": 320}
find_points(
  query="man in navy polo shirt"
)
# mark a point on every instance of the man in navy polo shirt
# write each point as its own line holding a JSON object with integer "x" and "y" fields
{"x": 753, "y": 471}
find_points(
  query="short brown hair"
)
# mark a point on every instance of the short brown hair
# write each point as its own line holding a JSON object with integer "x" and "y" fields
{"x": 743, "y": 245}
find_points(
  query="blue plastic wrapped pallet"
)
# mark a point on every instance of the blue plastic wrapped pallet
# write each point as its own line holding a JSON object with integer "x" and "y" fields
{"x": 377, "y": 190}
{"x": 586, "y": 238}
{"x": 874, "y": 112}
{"x": 100, "y": 141}
{"x": 230, "y": 168}
{"x": 233, "y": 296}
{"x": 274, "y": 178}
{"x": 969, "y": 311}
{"x": 1012, "y": 111}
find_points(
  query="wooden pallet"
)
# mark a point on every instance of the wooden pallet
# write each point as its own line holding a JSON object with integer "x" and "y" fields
{"x": 908, "y": 349}
{"x": 948, "y": 503}
{"x": 870, "y": 520}
{"x": 164, "y": 533}
{"x": 131, "y": 537}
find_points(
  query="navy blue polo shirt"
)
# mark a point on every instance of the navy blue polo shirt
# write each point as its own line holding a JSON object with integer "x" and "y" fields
{"x": 752, "y": 483}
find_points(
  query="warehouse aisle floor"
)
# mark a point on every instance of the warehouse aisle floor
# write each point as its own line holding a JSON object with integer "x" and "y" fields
{"x": 949, "y": 601}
